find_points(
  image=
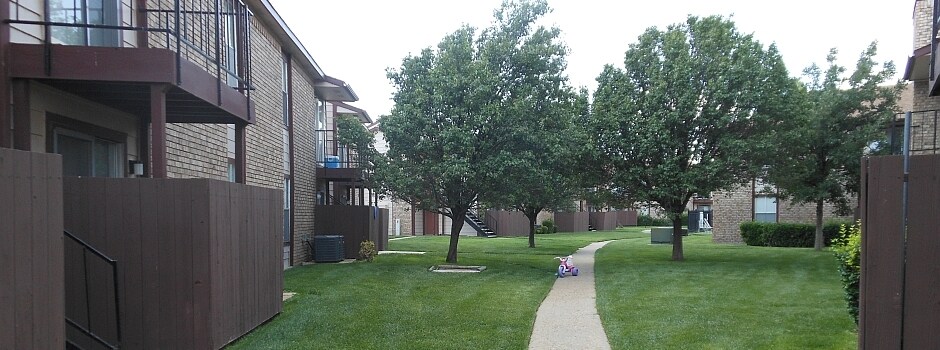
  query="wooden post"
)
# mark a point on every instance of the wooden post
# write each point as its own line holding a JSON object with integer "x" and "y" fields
{"x": 158, "y": 130}
{"x": 241, "y": 150}
{"x": 21, "y": 120}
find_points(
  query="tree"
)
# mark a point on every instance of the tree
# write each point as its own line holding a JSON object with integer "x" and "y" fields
{"x": 842, "y": 116}
{"x": 449, "y": 136}
{"x": 686, "y": 114}
{"x": 539, "y": 107}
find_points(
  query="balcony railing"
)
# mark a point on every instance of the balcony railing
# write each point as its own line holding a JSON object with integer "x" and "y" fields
{"x": 922, "y": 136}
{"x": 332, "y": 153}
{"x": 215, "y": 35}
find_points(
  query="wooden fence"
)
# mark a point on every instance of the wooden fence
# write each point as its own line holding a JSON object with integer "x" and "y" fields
{"x": 603, "y": 220}
{"x": 199, "y": 260}
{"x": 899, "y": 302}
{"x": 626, "y": 217}
{"x": 32, "y": 310}
{"x": 507, "y": 223}
{"x": 572, "y": 221}
{"x": 356, "y": 223}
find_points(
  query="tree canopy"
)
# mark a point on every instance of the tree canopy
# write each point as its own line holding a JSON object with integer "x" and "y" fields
{"x": 818, "y": 155}
{"x": 459, "y": 109}
{"x": 687, "y": 112}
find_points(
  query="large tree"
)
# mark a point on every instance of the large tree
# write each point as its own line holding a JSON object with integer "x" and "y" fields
{"x": 686, "y": 113}
{"x": 450, "y": 133}
{"x": 819, "y": 154}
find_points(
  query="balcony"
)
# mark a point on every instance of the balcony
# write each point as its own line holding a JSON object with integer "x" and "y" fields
{"x": 337, "y": 161}
{"x": 197, "y": 50}
{"x": 923, "y": 133}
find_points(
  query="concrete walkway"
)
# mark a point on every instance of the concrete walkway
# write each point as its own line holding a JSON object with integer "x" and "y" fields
{"x": 567, "y": 318}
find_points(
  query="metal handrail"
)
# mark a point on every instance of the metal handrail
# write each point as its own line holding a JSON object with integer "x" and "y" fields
{"x": 117, "y": 297}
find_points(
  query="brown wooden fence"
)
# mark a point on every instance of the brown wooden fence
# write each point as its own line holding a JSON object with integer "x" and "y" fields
{"x": 900, "y": 302}
{"x": 603, "y": 220}
{"x": 199, "y": 259}
{"x": 507, "y": 223}
{"x": 626, "y": 217}
{"x": 356, "y": 223}
{"x": 32, "y": 310}
{"x": 572, "y": 221}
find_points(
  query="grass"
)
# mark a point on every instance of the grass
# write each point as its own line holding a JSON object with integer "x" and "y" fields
{"x": 722, "y": 297}
{"x": 395, "y": 303}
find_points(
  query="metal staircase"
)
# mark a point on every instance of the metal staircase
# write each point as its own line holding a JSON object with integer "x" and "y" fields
{"x": 478, "y": 225}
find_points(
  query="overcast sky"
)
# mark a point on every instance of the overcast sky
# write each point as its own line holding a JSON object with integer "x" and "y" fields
{"x": 356, "y": 40}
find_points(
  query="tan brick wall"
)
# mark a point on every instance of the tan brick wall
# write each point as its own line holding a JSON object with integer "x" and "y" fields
{"x": 196, "y": 151}
{"x": 923, "y": 16}
{"x": 732, "y": 208}
{"x": 305, "y": 182}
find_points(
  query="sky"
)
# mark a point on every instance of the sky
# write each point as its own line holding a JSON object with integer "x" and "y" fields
{"x": 357, "y": 40}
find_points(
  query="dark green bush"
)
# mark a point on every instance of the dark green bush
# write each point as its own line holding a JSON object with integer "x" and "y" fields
{"x": 786, "y": 235}
{"x": 548, "y": 226}
{"x": 646, "y": 220}
{"x": 847, "y": 248}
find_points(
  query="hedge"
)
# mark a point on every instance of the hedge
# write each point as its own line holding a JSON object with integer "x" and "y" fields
{"x": 770, "y": 234}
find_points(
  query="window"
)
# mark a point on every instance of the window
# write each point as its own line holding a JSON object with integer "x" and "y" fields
{"x": 321, "y": 136}
{"x": 103, "y": 12}
{"x": 230, "y": 42}
{"x": 287, "y": 191}
{"x": 285, "y": 90}
{"x": 765, "y": 209}
{"x": 86, "y": 155}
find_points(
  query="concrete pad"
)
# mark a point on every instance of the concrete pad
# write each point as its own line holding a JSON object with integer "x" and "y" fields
{"x": 567, "y": 318}
{"x": 287, "y": 295}
{"x": 400, "y": 252}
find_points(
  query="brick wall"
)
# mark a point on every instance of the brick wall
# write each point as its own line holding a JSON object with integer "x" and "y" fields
{"x": 732, "y": 208}
{"x": 305, "y": 182}
{"x": 923, "y": 16}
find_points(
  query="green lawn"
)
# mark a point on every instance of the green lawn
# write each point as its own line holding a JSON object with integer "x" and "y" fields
{"x": 721, "y": 297}
{"x": 724, "y": 297}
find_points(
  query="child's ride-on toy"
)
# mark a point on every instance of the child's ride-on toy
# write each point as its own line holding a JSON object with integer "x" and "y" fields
{"x": 566, "y": 266}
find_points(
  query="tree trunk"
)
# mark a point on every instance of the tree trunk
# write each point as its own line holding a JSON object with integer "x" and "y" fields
{"x": 455, "y": 226}
{"x": 532, "y": 218}
{"x": 820, "y": 241}
{"x": 677, "y": 237}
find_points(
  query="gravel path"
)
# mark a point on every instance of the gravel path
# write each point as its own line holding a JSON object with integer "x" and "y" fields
{"x": 567, "y": 318}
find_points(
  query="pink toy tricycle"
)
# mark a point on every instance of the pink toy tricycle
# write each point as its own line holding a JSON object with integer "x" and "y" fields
{"x": 566, "y": 266}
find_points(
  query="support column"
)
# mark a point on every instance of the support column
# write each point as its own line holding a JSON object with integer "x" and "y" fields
{"x": 241, "y": 150}
{"x": 158, "y": 130}
{"x": 21, "y": 121}
{"x": 143, "y": 145}
{"x": 140, "y": 10}
{"x": 6, "y": 141}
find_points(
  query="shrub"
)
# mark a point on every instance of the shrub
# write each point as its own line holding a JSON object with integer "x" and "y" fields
{"x": 771, "y": 234}
{"x": 646, "y": 220}
{"x": 548, "y": 226}
{"x": 847, "y": 248}
{"x": 367, "y": 251}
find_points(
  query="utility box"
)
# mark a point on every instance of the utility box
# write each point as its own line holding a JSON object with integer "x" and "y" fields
{"x": 328, "y": 248}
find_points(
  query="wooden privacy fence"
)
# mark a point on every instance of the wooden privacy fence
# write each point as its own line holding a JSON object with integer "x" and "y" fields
{"x": 32, "y": 309}
{"x": 199, "y": 260}
{"x": 507, "y": 223}
{"x": 603, "y": 220}
{"x": 900, "y": 283}
{"x": 626, "y": 217}
{"x": 572, "y": 221}
{"x": 356, "y": 223}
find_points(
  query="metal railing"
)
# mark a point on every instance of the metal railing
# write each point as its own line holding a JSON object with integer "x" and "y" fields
{"x": 335, "y": 153}
{"x": 86, "y": 248}
{"x": 215, "y": 34}
{"x": 922, "y": 136}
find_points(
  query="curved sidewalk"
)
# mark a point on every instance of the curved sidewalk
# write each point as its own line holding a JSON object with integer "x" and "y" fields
{"x": 567, "y": 318}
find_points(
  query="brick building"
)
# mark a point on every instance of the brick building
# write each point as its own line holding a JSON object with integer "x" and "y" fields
{"x": 924, "y": 102}
{"x": 169, "y": 89}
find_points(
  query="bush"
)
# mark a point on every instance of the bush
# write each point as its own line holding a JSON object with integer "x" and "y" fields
{"x": 548, "y": 226}
{"x": 848, "y": 249}
{"x": 646, "y": 220}
{"x": 367, "y": 251}
{"x": 771, "y": 234}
